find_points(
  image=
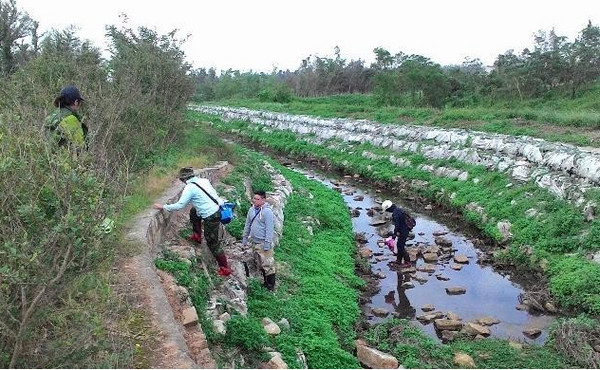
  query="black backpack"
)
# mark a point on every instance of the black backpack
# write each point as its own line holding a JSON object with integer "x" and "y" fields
{"x": 409, "y": 220}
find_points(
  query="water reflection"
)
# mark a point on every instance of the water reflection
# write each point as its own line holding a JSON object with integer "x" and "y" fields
{"x": 488, "y": 293}
{"x": 400, "y": 302}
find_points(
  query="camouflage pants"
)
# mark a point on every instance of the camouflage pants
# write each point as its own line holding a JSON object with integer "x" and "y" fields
{"x": 213, "y": 232}
{"x": 265, "y": 260}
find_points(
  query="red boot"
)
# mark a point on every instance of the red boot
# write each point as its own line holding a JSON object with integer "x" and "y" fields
{"x": 224, "y": 269}
{"x": 196, "y": 237}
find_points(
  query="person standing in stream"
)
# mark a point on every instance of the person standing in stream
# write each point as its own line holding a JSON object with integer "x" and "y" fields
{"x": 400, "y": 232}
{"x": 199, "y": 191}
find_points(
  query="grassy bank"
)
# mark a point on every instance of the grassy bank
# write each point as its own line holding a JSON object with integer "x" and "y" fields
{"x": 567, "y": 122}
{"x": 317, "y": 288}
{"x": 315, "y": 266}
{"x": 555, "y": 242}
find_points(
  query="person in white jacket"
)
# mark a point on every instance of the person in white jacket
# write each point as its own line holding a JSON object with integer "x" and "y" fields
{"x": 258, "y": 233}
{"x": 206, "y": 209}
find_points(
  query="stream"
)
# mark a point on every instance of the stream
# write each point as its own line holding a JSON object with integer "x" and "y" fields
{"x": 404, "y": 293}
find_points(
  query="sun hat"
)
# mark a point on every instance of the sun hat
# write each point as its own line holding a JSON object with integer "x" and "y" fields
{"x": 386, "y": 204}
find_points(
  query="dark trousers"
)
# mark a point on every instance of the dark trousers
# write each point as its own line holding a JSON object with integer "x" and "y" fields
{"x": 212, "y": 230}
{"x": 401, "y": 248}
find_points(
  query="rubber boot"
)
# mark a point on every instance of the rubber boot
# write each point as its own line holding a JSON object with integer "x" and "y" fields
{"x": 196, "y": 237}
{"x": 224, "y": 269}
{"x": 270, "y": 282}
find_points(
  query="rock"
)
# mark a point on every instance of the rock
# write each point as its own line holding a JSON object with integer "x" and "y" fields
{"x": 455, "y": 290}
{"x": 463, "y": 360}
{"x": 461, "y": 259}
{"x": 380, "y": 275}
{"x": 443, "y": 241}
{"x": 442, "y": 277}
{"x": 476, "y": 329}
{"x": 504, "y": 228}
{"x": 516, "y": 345}
{"x": 374, "y": 358}
{"x": 487, "y": 320}
{"x": 532, "y": 333}
{"x": 276, "y": 362}
{"x": 408, "y": 270}
{"x": 439, "y": 233}
{"x": 270, "y": 326}
{"x": 550, "y": 307}
{"x": 358, "y": 198}
{"x": 219, "y": 327}
{"x": 355, "y": 213}
{"x": 452, "y": 316}
{"x": 427, "y": 268}
{"x": 456, "y": 266}
{"x": 284, "y": 323}
{"x": 428, "y": 307}
{"x": 448, "y": 335}
{"x": 189, "y": 316}
{"x": 183, "y": 251}
{"x": 365, "y": 252}
{"x": 445, "y": 324}
{"x": 420, "y": 278}
{"x": 522, "y": 307}
{"x": 378, "y": 222}
{"x": 430, "y": 257}
{"x": 380, "y": 312}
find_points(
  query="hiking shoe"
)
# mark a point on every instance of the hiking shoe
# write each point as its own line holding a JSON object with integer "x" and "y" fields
{"x": 224, "y": 271}
{"x": 406, "y": 265}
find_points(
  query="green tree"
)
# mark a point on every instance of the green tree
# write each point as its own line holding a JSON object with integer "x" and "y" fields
{"x": 16, "y": 30}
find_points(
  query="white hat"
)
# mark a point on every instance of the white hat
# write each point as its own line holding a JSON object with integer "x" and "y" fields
{"x": 386, "y": 204}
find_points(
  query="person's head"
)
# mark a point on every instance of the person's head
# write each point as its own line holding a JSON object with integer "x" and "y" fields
{"x": 185, "y": 174}
{"x": 386, "y": 205}
{"x": 259, "y": 198}
{"x": 69, "y": 97}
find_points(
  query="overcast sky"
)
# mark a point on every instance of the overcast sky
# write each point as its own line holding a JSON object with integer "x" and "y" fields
{"x": 262, "y": 34}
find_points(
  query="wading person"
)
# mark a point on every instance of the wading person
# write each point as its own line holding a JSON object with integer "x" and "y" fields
{"x": 401, "y": 231}
{"x": 205, "y": 201}
{"x": 258, "y": 233}
{"x": 64, "y": 126}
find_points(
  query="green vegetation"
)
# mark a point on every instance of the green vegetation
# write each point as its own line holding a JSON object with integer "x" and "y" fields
{"x": 559, "y": 229}
{"x": 316, "y": 283}
{"x": 575, "y": 126}
{"x": 403, "y": 341}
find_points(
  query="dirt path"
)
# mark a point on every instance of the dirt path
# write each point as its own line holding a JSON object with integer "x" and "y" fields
{"x": 168, "y": 344}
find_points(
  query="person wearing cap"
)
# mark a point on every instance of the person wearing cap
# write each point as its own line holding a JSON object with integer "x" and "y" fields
{"x": 200, "y": 192}
{"x": 65, "y": 125}
{"x": 400, "y": 232}
{"x": 258, "y": 233}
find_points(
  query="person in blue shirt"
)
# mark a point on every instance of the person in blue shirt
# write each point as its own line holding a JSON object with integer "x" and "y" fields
{"x": 258, "y": 233}
{"x": 200, "y": 192}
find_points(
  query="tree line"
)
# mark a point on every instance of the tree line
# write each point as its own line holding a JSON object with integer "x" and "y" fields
{"x": 553, "y": 65}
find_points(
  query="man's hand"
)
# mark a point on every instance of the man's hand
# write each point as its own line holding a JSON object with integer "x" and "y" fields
{"x": 157, "y": 206}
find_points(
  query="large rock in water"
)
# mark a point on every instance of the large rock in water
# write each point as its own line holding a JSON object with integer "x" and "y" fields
{"x": 445, "y": 324}
{"x": 374, "y": 358}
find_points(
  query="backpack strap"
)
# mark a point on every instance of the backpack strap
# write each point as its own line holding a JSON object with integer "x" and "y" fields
{"x": 205, "y": 192}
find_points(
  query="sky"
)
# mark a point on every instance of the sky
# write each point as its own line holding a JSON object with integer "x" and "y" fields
{"x": 262, "y": 35}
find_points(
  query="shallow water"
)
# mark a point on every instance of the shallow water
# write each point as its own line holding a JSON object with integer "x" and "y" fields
{"x": 488, "y": 293}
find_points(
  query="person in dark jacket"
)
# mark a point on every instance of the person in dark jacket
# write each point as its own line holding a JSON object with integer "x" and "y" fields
{"x": 400, "y": 232}
{"x": 65, "y": 126}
